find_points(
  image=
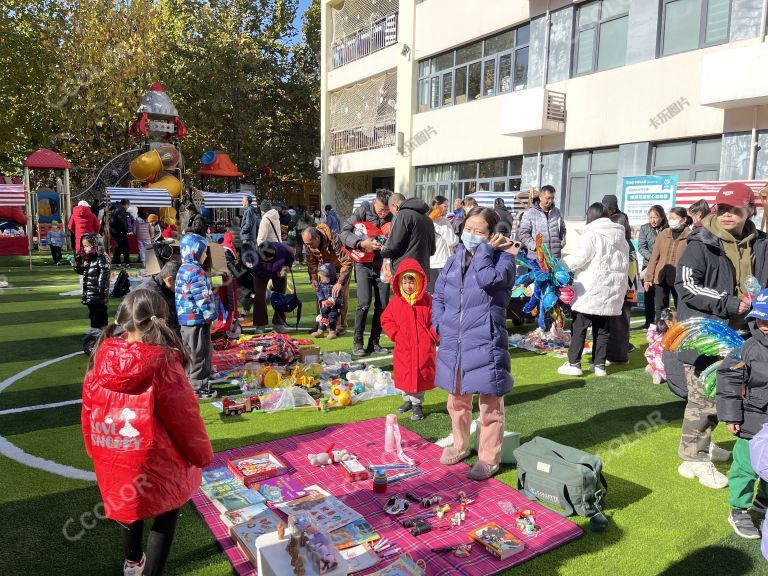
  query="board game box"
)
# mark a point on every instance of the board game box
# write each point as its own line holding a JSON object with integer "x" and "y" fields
{"x": 257, "y": 467}
{"x": 497, "y": 540}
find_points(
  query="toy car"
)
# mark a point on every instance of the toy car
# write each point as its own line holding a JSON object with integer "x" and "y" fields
{"x": 233, "y": 406}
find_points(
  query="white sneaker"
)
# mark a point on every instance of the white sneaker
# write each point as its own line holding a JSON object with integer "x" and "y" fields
{"x": 600, "y": 372}
{"x": 717, "y": 454}
{"x": 135, "y": 569}
{"x": 657, "y": 379}
{"x": 706, "y": 472}
{"x": 568, "y": 369}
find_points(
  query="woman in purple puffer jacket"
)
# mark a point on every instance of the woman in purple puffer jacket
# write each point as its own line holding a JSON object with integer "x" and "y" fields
{"x": 469, "y": 312}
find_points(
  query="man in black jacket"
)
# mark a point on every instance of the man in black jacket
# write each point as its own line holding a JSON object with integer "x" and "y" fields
{"x": 367, "y": 273}
{"x": 412, "y": 234}
{"x": 164, "y": 283}
{"x": 711, "y": 273}
{"x": 118, "y": 229}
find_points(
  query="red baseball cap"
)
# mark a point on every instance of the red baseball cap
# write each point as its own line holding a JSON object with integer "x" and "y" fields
{"x": 736, "y": 194}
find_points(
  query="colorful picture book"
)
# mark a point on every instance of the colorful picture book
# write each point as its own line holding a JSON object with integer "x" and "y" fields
{"x": 352, "y": 534}
{"x": 279, "y": 489}
{"x": 212, "y": 475}
{"x": 245, "y": 534}
{"x": 237, "y": 499}
{"x": 497, "y": 540}
{"x": 257, "y": 467}
{"x": 328, "y": 512}
{"x": 221, "y": 487}
{"x": 403, "y": 566}
{"x": 246, "y": 514}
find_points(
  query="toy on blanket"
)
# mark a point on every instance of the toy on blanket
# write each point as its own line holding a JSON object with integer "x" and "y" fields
{"x": 548, "y": 277}
{"x": 707, "y": 337}
{"x": 340, "y": 394}
{"x": 330, "y": 456}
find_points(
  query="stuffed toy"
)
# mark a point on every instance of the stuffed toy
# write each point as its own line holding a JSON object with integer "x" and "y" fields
{"x": 330, "y": 456}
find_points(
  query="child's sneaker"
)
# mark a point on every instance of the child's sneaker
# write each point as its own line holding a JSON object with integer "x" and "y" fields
{"x": 331, "y": 335}
{"x": 657, "y": 379}
{"x": 317, "y": 334}
{"x": 706, "y": 472}
{"x": 206, "y": 394}
{"x": 417, "y": 413}
{"x": 568, "y": 369}
{"x": 405, "y": 407}
{"x": 742, "y": 524}
{"x": 134, "y": 568}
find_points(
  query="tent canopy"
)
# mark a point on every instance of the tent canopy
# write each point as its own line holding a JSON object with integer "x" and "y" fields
{"x": 145, "y": 197}
{"x": 45, "y": 159}
{"x": 12, "y": 195}
{"x": 222, "y": 200}
{"x": 366, "y": 198}
{"x": 221, "y": 167}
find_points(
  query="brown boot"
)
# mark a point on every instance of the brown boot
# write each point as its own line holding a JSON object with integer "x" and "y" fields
{"x": 317, "y": 334}
{"x": 331, "y": 335}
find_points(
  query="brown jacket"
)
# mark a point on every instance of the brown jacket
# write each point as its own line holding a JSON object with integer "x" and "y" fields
{"x": 331, "y": 251}
{"x": 666, "y": 253}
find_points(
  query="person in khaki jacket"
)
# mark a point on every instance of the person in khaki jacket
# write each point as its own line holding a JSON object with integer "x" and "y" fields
{"x": 670, "y": 245}
{"x": 323, "y": 246}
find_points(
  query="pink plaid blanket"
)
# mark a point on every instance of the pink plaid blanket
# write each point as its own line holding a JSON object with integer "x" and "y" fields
{"x": 366, "y": 440}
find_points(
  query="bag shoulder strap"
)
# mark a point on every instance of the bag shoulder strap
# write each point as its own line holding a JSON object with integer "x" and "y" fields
{"x": 279, "y": 237}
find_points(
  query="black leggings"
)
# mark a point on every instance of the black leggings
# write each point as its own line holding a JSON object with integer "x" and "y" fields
{"x": 663, "y": 292}
{"x": 158, "y": 545}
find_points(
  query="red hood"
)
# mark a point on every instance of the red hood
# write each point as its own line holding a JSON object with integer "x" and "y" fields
{"x": 128, "y": 367}
{"x": 409, "y": 265}
{"x": 81, "y": 211}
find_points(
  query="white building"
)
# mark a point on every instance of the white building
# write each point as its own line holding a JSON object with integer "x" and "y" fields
{"x": 451, "y": 97}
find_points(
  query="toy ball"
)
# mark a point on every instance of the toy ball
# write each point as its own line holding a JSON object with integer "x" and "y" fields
{"x": 342, "y": 396}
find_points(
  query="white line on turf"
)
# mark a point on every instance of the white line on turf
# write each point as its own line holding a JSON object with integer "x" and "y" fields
{"x": 39, "y": 407}
{"x": 24, "y": 373}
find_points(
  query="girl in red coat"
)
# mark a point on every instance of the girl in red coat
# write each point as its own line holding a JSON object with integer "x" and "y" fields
{"x": 142, "y": 428}
{"x": 407, "y": 320}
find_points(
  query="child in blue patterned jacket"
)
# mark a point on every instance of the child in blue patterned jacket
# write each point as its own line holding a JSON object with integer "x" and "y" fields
{"x": 196, "y": 309}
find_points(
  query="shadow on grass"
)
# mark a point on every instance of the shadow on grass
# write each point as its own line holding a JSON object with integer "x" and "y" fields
{"x": 712, "y": 560}
{"x": 42, "y": 348}
{"x": 53, "y": 315}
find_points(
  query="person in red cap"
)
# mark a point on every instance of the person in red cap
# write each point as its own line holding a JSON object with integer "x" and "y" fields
{"x": 710, "y": 282}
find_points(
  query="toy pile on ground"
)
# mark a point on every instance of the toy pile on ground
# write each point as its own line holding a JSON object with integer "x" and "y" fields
{"x": 272, "y": 380}
{"x": 555, "y": 340}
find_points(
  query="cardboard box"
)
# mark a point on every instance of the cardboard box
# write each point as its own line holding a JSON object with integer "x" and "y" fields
{"x": 309, "y": 354}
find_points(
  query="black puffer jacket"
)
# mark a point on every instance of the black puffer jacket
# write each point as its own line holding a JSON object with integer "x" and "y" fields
{"x": 94, "y": 268}
{"x": 363, "y": 213}
{"x": 742, "y": 386}
{"x": 412, "y": 235}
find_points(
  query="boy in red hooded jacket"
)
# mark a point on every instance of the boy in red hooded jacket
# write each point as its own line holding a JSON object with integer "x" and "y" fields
{"x": 407, "y": 320}
{"x": 142, "y": 428}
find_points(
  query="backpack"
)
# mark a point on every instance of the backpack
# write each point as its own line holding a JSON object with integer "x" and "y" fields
{"x": 122, "y": 285}
{"x": 568, "y": 478}
{"x": 286, "y": 303}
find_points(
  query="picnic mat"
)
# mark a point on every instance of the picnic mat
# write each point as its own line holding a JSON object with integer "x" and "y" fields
{"x": 366, "y": 440}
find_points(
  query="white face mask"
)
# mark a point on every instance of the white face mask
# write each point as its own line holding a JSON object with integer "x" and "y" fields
{"x": 674, "y": 223}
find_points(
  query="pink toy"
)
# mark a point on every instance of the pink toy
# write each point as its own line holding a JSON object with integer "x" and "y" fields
{"x": 653, "y": 355}
{"x": 393, "y": 440}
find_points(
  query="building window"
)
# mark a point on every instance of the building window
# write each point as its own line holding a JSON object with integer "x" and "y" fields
{"x": 601, "y": 36}
{"x": 693, "y": 24}
{"x": 488, "y": 67}
{"x": 591, "y": 175}
{"x": 688, "y": 160}
{"x": 497, "y": 176}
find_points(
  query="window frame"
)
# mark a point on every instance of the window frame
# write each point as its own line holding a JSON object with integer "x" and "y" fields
{"x": 596, "y": 26}
{"x": 702, "y": 43}
{"x": 485, "y": 60}
{"x": 587, "y": 175}
{"x": 692, "y": 167}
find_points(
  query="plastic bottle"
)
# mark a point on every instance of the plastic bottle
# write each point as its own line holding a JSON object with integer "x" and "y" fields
{"x": 379, "y": 481}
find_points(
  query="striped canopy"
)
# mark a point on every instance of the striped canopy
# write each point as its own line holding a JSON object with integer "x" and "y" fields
{"x": 221, "y": 200}
{"x": 12, "y": 195}
{"x": 146, "y": 197}
{"x": 690, "y": 192}
{"x": 359, "y": 201}
{"x": 487, "y": 199}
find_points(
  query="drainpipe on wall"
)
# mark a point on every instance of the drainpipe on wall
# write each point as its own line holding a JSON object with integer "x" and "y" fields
{"x": 547, "y": 26}
{"x": 763, "y": 17}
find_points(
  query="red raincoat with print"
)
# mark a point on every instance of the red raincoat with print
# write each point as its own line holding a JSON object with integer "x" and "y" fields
{"x": 142, "y": 429}
{"x": 409, "y": 326}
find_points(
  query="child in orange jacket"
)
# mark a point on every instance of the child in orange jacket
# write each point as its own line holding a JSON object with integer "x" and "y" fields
{"x": 407, "y": 320}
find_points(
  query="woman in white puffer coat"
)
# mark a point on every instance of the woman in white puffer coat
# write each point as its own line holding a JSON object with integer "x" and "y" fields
{"x": 600, "y": 284}
{"x": 445, "y": 240}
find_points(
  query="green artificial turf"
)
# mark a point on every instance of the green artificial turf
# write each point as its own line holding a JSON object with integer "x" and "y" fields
{"x": 660, "y": 522}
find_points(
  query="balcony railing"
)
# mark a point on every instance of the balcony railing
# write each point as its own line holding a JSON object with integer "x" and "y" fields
{"x": 356, "y": 138}
{"x": 378, "y": 35}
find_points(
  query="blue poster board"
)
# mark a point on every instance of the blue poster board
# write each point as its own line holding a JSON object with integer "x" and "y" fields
{"x": 639, "y": 193}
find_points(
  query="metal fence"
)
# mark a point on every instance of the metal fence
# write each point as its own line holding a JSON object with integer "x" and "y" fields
{"x": 378, "y": 35}
{"x": 357, "y": 138}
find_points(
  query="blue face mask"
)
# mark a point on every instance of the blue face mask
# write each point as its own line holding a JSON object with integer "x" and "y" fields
{"x": 470, "y": 241}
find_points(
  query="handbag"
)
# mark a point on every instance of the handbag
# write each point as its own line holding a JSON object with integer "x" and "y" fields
{"x": 568, "y": 478}
{"x": 285, "y": 303}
